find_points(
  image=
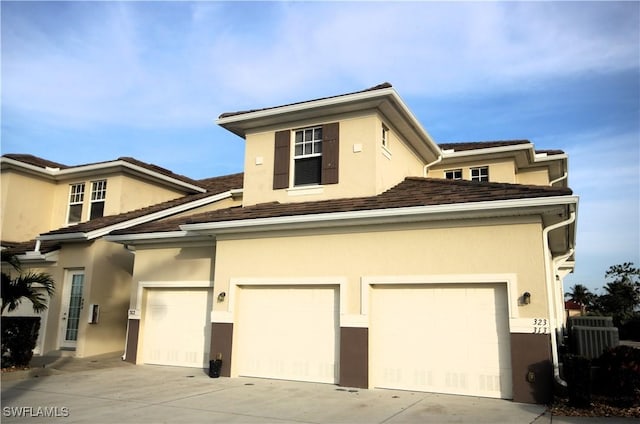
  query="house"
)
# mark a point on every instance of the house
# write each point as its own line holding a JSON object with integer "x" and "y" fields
{"x": 367, "y": 255}
{"x": 54, "y": 218}
{"x": 574, "y": 309}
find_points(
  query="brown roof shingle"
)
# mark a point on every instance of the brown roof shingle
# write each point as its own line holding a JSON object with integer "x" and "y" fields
{"x": 377, "y": 87}
{"x": 413, "y": 191}
{"x": 34, "y": 160}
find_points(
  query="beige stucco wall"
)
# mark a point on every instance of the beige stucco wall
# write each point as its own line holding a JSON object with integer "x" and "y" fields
{"x": 479, "y": 247}
{"x": 27, "y": 202}
{"x": 172, "y": 264}
{"x": 500, "y": 170}
{"x": 534, "y": 176}
{"x": 363, "y": 170}
{"x": 107, "y": 279}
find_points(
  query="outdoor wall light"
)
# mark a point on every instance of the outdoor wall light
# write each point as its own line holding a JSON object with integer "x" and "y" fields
{"x": 221, "y": 296}
{"x": 526, "y": 298}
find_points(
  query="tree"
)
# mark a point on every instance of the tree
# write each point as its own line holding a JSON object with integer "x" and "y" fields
{"x": 581, "y": 295}
{"x": 622, "y": 294}
{"x": 25, "y": 286}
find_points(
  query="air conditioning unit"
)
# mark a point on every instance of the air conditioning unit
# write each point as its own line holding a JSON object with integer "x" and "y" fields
{"x": 591, "y": 321}
{"x": 591, "y": 342}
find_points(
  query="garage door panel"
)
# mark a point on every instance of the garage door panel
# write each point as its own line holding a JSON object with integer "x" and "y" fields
{"x": 288, "y": 333}
{"x": 177, "y": 327}
{"x": 447, "y": 339}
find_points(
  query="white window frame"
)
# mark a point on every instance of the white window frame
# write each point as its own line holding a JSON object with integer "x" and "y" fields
{"x": 458, "y": 170}
{"x": 385, "y": 136}
{"x": 76, "y": 197}
{"x": 483, "y": 172}
{"x": 98, "y": 194}
{"x": 315, "y": 152}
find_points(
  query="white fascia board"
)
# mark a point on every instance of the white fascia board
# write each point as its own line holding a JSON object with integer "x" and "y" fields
{"x": 56, "y": 173}
{"x": 137, "y": 221}
{"x": 489, "y": 150}
{"x": 146, "y": 237}
{"x": 34, "y": 258}
{"x": 379, "y": 216}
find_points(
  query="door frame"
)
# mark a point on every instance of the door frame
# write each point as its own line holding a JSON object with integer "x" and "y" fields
{"x": 63, "y": 343}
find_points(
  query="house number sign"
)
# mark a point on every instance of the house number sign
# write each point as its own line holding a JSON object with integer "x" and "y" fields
{"x": 540, "y": 326}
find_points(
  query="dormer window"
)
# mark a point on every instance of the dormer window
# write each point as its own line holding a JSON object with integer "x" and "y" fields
{"x": 76, "y": 197}
{"x": 307, "y": 156}
{"x": 480, "y": 174}
{"x": 315, "y": 156}
{"x": 453, "y": 174}
{"x": 98, "y": 197}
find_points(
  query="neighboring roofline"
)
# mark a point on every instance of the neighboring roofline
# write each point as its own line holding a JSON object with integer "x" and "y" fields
{"x": 363, "y": 217}
{"x": 61, "y": 173}
{"x": 239, "y": 123}
{"x": 90, "y": 235}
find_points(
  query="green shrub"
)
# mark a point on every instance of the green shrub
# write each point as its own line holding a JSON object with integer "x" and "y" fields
{"x": 577, "y": 373}
{"x": 19, "y": 337}
{"x": 619, "y": 375}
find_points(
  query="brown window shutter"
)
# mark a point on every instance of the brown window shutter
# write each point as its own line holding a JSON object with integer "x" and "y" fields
{"x": 330, "y": 153}
{"x": 281, "y": 160}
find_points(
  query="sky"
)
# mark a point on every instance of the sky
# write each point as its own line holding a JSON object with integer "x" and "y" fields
{"x": 88, "y": 81}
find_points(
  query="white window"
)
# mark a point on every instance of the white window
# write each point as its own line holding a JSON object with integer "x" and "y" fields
{"x": 385, "y": 137}
{"x": 480, "y": 174}
{"x": 98, "y": 196}
{"x": 76, "y": 197}
{"x": 453, "y": 174}
{"x": 307, "y": 156}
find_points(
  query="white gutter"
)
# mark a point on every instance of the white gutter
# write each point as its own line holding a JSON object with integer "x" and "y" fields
{"x": 486, "y": 208}
{"x": 559, "y": 179}
{"x": 550, "y": 278}
{"x": 137, "y": 221}
{"x": 57, "y": 173}
{"x": 425, "y": 170}
{"x": 557, "y": 262}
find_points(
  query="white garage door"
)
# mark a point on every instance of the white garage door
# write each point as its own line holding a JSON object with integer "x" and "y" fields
{"x": 288, "y": 333}
{"x": 177, "y": 327}
{"x": 445, "y": 339}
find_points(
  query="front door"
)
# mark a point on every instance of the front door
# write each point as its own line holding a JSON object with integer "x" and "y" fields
{"x": 72, "y": 303}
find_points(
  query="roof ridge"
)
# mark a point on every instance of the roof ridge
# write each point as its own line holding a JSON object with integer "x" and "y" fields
{"x": 241, "y": 112}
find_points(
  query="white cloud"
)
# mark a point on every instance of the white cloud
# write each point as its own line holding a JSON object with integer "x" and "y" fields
{"x": 130, "y": 63}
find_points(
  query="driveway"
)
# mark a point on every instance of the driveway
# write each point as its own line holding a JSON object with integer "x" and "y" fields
{"x": 112, "y": 391}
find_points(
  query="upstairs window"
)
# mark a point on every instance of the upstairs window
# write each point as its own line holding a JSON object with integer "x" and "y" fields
{"x": 98, "y": 196}
{"x": 307, "y": 156}
{"x": 385, "y": 137}
{"x": 480, "y": 174}
{"x": 453, "y": 174}
{"x": 76, "y": 197}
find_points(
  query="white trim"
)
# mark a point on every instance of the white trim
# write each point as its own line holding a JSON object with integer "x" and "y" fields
{"x": 389, "y": 215}
{"x": 354, "y": 321}
{"x": 341, "y": 282}
{"x": 58, "y": 174}
{"x": 178, "y": 284}
{"x": 305, "y": 190}
{"x": 137, "y": 221}
{"x": 510, "y": 280}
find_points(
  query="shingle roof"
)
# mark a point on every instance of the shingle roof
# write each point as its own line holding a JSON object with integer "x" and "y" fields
{"x": 215, "y": 185}
{"x": 413, "y": 191}
{"x": 44, "y": 163}
{"x": 377, "y": 87}
{"x": 29, "y": 246}
{"x": 34, "y": 160}
{"x": 473, "y": 145}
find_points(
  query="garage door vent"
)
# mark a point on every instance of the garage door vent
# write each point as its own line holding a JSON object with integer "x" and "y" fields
{"x": 590, "y": 342}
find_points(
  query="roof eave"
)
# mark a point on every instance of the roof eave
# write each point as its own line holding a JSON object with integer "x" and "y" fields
{"x": 386, "y": 100}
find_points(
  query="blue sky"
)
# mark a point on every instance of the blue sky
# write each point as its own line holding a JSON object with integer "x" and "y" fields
{"x": 92, "y": 81}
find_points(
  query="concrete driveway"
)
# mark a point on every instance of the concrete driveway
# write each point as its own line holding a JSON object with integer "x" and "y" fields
{"x": 111, "y": 391}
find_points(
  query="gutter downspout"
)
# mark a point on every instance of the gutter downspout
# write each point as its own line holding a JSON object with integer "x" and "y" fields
{"x": 557, "y": 262}
{"x": 564, "y": 176}
{"x": 549, "y": 268}
{"x": 425, "y": 170}
{"x": 37, "y": 246}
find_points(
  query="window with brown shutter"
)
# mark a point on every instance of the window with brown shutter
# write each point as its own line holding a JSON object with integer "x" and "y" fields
{"x": 281, "y": 160}
{"x": 330, "y": 153}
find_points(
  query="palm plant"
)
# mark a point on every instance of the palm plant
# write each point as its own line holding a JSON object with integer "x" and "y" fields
{"x": 581, "y": 295}
{"x": 25, "y": 286}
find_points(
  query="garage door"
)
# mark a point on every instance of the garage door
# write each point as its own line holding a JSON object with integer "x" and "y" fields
{"x": 445, "y": 339}
{"x": 177, "y": 327}
{"x": 288, "y": 333}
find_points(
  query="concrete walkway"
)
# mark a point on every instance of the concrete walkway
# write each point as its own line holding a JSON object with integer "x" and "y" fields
{"x": 107, "y": 390}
